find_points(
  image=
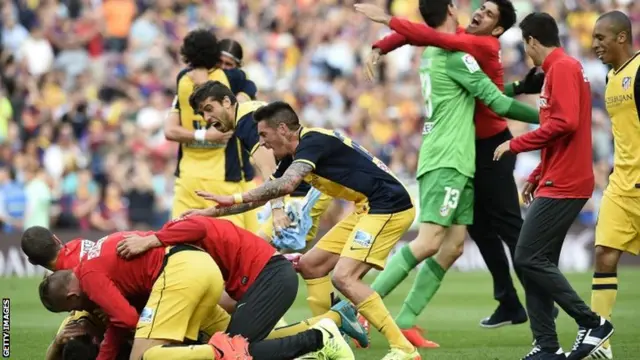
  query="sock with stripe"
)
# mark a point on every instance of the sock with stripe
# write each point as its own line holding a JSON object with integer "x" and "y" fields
{"x": 604, "y": 290}
{"x": 373, "y": 309}
{"x": 301, "y": 326}
{"x": 395, "y": 271}
{"x": 424, "y": 288}
{"x": 319, "y": 295}
{"x": 192, "y": 352}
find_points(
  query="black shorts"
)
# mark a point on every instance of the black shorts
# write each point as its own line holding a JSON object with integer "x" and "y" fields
{"x": 267, "y": 300}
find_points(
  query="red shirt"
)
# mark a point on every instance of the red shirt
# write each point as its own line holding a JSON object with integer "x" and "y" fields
{"x": 109, "y": 281}
{"x": 486, "y": 50}
{"x": 71, "y": 253}
{"x": 240, "y": 254}
{"x": 564, "y": 135}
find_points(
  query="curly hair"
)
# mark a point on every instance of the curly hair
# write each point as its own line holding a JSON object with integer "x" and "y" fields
{"x": 200, "y": 49}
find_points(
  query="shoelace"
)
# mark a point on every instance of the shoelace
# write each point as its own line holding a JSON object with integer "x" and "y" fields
{"x": 536, "y": 349}
{"x": 579, "y": 338}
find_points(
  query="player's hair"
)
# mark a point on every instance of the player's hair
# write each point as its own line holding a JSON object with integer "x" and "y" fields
{"x": 53, "y": 290}
{"x": 210, "y": 89}
{"x": 542, "y": 27}
{"x": 200, "y": 49}
{"x": 277, "y": 112}
{"x": 40, "y": 245}
{"x": 80, "y": 348}
{"x": 231, "y": 48}
{"x": 434, "y": 12}
{"x": 507, "y": 13}
{"x": 620, "y": 22}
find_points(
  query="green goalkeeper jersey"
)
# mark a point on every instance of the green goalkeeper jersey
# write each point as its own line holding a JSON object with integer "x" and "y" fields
{"x": 451, "y": 81}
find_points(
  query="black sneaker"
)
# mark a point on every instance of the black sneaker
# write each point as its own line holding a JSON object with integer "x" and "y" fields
{"x": 589, "y": 340}
{"x": 538, "y": 353}
{"x": 502, "y": 317}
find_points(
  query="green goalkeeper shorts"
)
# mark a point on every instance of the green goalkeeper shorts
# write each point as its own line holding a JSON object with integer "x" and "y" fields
{"x": 446, "y": 197}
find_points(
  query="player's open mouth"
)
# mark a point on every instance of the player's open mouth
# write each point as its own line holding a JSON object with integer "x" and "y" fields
{"x": 475, "y": 21}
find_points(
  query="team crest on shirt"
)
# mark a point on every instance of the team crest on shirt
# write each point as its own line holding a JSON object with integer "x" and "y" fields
{"x": 626, "y": 82}
{"x": 146, "y": 316}
{"x": 444, "y": 210}
{"x": 363, "y": 239}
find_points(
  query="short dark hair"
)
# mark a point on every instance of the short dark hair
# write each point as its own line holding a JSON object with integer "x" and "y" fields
{"x": 80, "y": 348}
{"x": 277, "y": 112}
{"x": 53, "y": 290}
{"x": 507, "y": 13}
{"x": 40, "y": 245}
{"x": 542, "y": 27}
{"x": 434, "y": 12}
{"x": 233, "y": 48}
{"x": 620, "y": 22}
{"x": 200, "y": 49}
{"x": 210, "y": 89}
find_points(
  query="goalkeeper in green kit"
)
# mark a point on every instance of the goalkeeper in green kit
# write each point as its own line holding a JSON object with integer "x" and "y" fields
{"x": 451, "y": 82}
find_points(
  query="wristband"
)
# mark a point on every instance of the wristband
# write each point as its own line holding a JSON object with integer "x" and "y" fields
{"x": 199, "y": 135}
{"x": 277, "y": 205}
{"x": 237, "y": 198}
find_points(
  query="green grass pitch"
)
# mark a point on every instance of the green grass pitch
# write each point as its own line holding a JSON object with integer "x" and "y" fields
{"x": 451, "y": 319}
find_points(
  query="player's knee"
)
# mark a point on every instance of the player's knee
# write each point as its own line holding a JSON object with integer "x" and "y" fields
{"x": 606, "y": 259}
{"x": 522, "y": 260}
{"x": 310, "y": 268}
{"x": 347, "y": 272}
{"x": 80, "y": 348}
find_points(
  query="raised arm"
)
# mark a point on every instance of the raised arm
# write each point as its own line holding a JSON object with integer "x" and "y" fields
{"x": 464, "y": 69}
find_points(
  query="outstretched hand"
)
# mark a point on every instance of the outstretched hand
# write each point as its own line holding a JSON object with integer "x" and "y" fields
{"x": 222, "y": 200}
{"x": 373, "y": 12}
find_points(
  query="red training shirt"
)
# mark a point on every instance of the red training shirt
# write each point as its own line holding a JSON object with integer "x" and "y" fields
{"x": 240, "y": 254}
{"x": 486, "y": 50}
{"x": 564, "y": 135}
{"x": 71, "y": 253}
{"x": 109, "y": 281}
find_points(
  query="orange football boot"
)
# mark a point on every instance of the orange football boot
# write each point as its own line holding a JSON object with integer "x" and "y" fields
{"x": 224, "y": 347}
{"x": 415, "y": 337}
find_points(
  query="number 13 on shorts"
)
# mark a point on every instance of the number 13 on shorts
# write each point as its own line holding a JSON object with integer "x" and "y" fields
{"x": 446, "y": 197}
{"x": 450, "y": 202}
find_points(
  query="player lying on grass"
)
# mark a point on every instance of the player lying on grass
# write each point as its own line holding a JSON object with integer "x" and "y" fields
{"x": 337, "y": 166}
{"x": 81, "y": 332}
{"x": 261, "y": 280}
{"x": 618, "y": 225}
{"x": 219, "y": 107}
{"x": 180, "y": 286}
{"x": 451, "y": 83}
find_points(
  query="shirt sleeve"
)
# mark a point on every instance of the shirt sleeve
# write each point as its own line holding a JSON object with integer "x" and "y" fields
{"x": 104, "y": 293}
{"x": 390, "y": 42}
{"x": 311, "y": 149}
{"x": 110, "y": 346}
{"x": 563, "y": 111}
{"x": 250, "y": 89}
{"x": 183, "y": 230}
{"x": 464, "y": 69}
{"x": 247, "y": 132}
{"x": 422, "y": 35}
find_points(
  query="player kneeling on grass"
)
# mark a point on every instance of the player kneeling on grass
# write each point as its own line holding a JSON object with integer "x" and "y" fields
{"x": 261, "y": 280}
{"x": 81, "y": 332}
{"x": 182, "y": 283}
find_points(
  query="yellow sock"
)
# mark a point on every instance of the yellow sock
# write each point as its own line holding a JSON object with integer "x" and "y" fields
{"x": 296, "y": 328}
{"x": 373, "y": 309}
{"x": 185, "y": 352}
{"x": 319, "y": 295}
{"x": 604, "y": 290}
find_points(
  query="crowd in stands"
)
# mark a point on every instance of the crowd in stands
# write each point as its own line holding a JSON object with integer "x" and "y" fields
{"x": 85, "y": 85}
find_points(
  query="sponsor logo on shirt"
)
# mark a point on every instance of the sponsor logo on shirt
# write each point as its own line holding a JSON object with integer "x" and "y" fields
{"x": 471, "y": 63}
{"x": 427, "y": 128}
{"x": 363, "y": 239}
{"x": 146, "y": 316}
{"x": 626, "y": 82}
{"x": 94, "y": 252}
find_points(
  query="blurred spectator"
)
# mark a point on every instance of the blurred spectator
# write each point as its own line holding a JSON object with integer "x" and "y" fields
{"x": 85, "y": 85}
